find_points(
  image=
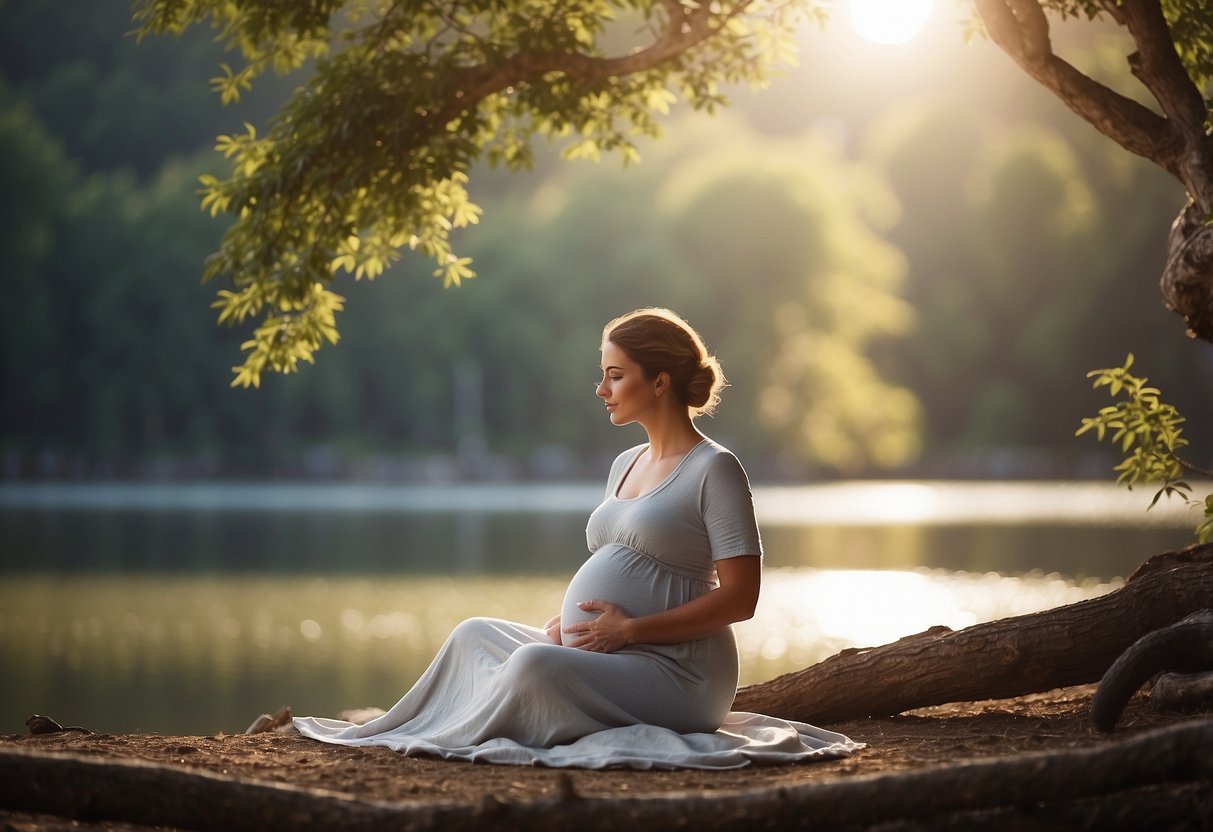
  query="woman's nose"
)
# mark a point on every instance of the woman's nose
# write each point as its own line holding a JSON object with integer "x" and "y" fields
{"x": 600, "y": 390}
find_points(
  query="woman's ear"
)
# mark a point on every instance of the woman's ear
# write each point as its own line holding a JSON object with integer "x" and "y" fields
{"x": 662, "y": 383}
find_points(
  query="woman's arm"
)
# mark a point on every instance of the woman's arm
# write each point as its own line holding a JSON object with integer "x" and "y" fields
{"x": 734, "y": 600}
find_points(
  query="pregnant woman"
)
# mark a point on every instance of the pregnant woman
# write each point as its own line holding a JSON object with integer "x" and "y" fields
{"x": 639, "y": 668}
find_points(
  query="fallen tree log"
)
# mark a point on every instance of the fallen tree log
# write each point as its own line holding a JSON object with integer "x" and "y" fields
{"x": 1070, "y": 645}
{"x": 133, "y": 791}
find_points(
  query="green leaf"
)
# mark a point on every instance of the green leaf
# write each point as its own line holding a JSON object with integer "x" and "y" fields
{"x": 1143, "y": 424}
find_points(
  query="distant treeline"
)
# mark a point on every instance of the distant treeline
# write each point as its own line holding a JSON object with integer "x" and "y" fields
{"x": 920, "y": 290}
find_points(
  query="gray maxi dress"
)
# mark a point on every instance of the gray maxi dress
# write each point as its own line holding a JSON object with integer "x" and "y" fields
{"x": 503, "y": 692}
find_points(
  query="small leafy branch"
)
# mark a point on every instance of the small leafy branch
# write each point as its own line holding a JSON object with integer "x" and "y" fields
{"x": 1149, "y": 432}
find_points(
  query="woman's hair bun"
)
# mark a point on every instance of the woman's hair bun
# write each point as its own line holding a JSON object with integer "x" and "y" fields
{"x": 701, "y": 386}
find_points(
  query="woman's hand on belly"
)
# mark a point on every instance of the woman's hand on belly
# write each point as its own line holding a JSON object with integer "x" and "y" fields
{"x": 553, "y": 628}
{"x": 733, "y": 600}
{"x": 609, "y": 632}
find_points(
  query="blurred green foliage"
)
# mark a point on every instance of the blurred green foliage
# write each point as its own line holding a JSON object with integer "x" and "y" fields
{"x": 916, "y": 281}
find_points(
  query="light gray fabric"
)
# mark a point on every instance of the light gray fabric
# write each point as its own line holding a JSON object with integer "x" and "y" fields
{"x": 702, "y": 512}
{"x": 503, "y": 692}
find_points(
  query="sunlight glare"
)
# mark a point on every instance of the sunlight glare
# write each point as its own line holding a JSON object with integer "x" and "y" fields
{"x": 877, "y": 607}
{"x": 806, "y": 615}
{"x": 889, "y": 22}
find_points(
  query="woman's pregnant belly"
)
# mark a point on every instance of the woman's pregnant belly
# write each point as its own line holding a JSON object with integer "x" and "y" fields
{"x": 634, "y": 582}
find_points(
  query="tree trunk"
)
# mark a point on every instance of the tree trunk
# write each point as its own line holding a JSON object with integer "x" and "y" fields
{"x": 1175, "y": 138}
{"x": 1187, "y": 278}
{"x": 1069, "y": 645}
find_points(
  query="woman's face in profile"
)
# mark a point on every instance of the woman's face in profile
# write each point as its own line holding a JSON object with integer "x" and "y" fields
{"x": 624, "y": 388}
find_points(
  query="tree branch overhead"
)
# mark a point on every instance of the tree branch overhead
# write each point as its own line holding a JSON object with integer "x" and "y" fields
{"x": 374, "y": 157}
{"x": 1177, "y": 141}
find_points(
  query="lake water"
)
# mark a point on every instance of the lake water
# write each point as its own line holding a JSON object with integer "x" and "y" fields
{"x": 190, "y": 609}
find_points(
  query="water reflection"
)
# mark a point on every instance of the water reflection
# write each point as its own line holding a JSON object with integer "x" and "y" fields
{"x": 192, "y": 609}
{"x": 470, "y": 544}
{"x": 200, "y": 655}
{"x": 851, "y": 503}
{"x": 208, "y": 541}
{"x": 1075, "y": 551}
{"x": 197, "y": 654}
{"x": 806, "y": 614}
{"x": 968, "y": 503}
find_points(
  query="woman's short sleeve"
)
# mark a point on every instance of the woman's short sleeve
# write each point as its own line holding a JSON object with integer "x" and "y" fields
{"x": 728, "y": 509}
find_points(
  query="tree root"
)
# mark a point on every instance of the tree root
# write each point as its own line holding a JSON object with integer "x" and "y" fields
{"x": 1182, "y": 691}
{"x": 1186, "y": 647}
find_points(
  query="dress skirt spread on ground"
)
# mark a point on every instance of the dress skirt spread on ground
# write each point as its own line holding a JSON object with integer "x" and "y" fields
{"x": 502, "y": 692}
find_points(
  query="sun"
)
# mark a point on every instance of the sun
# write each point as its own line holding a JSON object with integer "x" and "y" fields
{"x": 889, "y": 21}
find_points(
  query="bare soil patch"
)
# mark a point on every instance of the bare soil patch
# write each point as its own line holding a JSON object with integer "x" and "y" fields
{"x": 920, "y": 739}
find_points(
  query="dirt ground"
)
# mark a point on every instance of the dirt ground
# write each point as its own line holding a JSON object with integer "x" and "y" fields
{"x": 924, "y": 738}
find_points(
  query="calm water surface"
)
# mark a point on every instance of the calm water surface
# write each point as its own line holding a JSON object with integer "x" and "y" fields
{"x": 191, "y": 609}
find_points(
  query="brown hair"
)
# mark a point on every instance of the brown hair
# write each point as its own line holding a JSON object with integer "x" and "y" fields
{"x": 662, "y": 342}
